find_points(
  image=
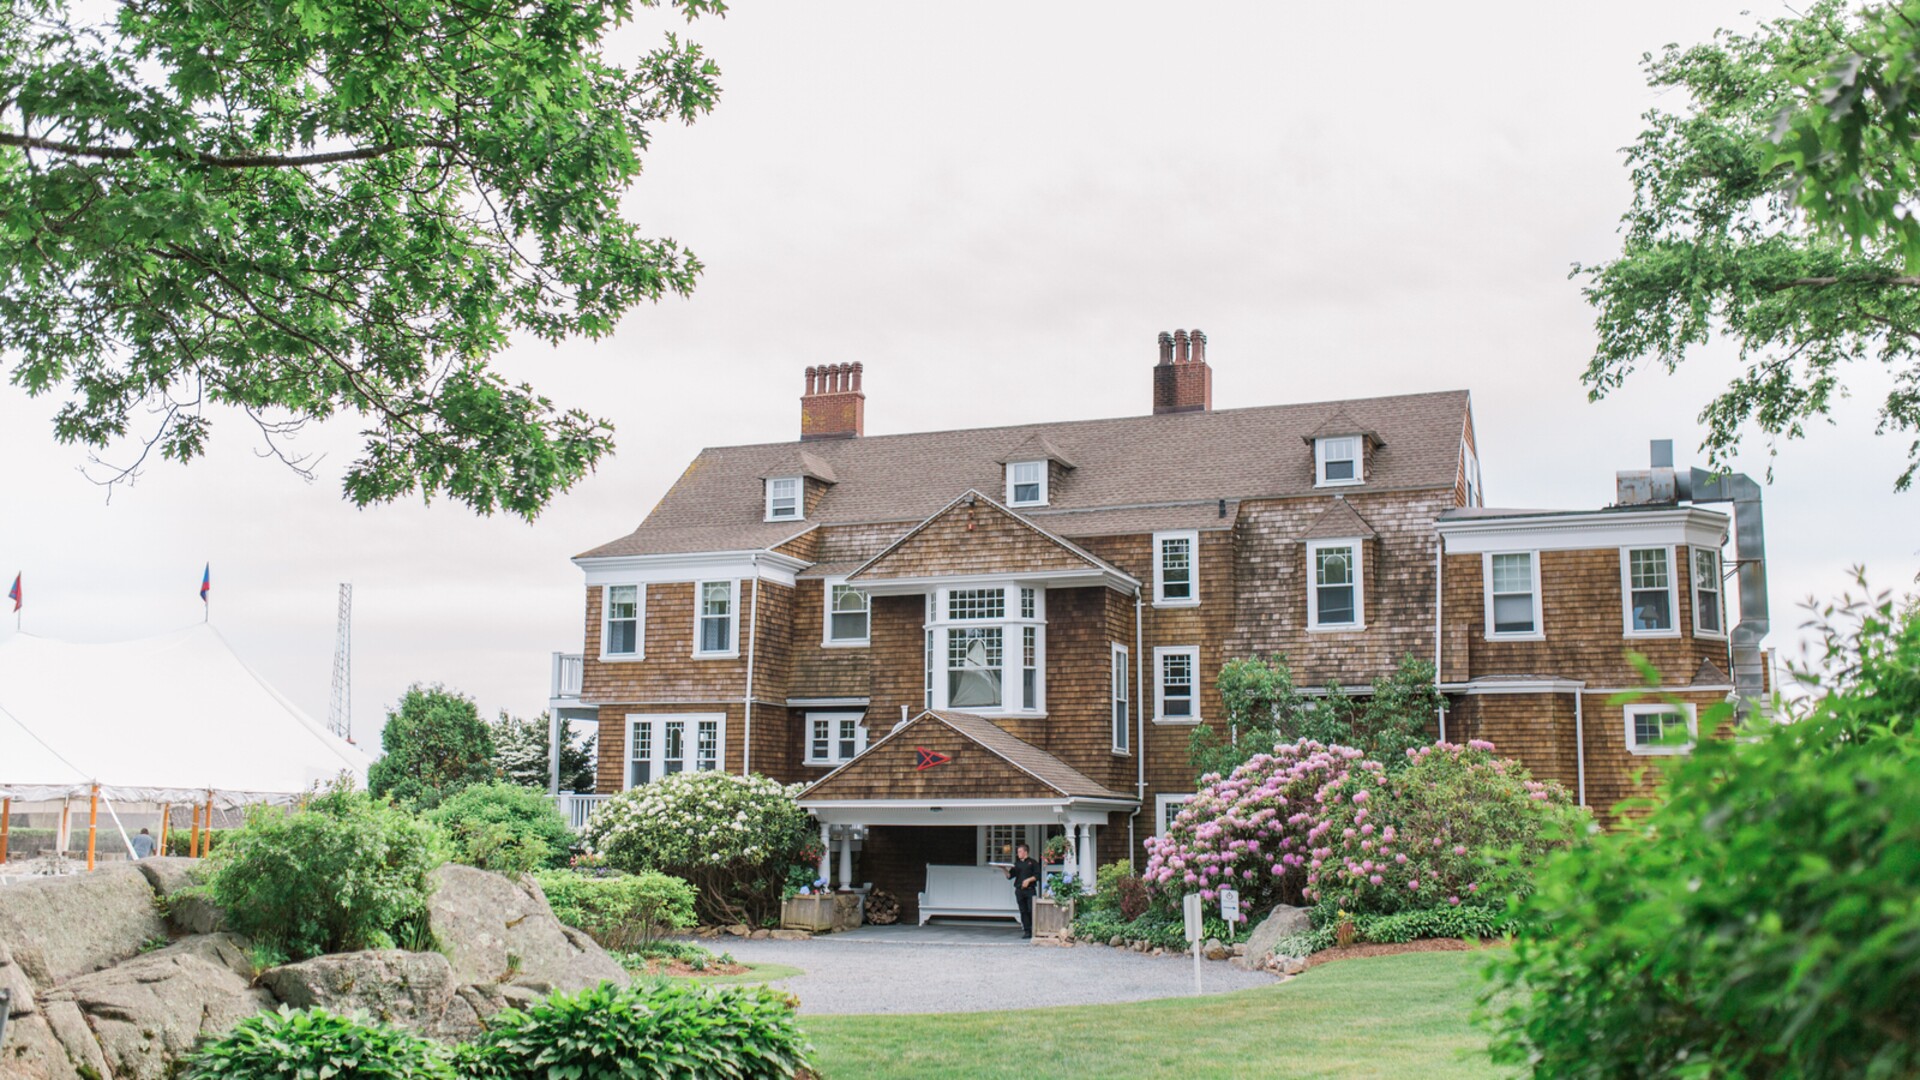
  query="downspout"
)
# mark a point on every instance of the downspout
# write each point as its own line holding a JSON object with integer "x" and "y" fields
{"x": 1580, "y": 744}
{"x": 753, "y": 627}
{"x": 1750, "y": 554}
{"x": 1139, "y": 703}
{"x": 1439, "y": 592}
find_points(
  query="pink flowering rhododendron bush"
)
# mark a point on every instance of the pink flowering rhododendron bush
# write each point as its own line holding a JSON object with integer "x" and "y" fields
{"x": 1256, "y": 829}
{"x": 1457, "y": 826}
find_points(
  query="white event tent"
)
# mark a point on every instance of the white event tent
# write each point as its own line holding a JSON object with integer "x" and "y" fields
{"x": 177, "y": 718}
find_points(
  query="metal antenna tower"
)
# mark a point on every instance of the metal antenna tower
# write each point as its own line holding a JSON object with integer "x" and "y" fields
{"x": 340, "y": 707}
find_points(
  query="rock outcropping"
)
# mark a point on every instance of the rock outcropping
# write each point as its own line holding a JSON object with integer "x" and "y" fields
{"x": 116, "y": 974}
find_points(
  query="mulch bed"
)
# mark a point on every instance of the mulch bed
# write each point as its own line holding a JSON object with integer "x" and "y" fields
{"x": 681, "y": 969}
{"x": 1365, "y": 949}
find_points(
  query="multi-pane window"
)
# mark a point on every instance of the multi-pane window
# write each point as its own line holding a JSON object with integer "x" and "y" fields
{"x": 659, "y": 746}
{"x": 847, "y": 610}
{"x": 1026, "y": 483}
{"x": 998, "y": 841}
{"x": 1121, "y": 729}
{"x": 1173, "y": 564}
{"x": 1660, "y": 729}
{"x": 966, "y": 604}
{"x": 973, "y": 667}
{"x": 622, "y": 636}
{"x": 1709, "y": 616}
{"x": 1338, "y": 459}
{"x": 1333, "y": 600}
{"x": 834, "y": 738}
{"x": 1174, "y": 690}
{"x": 716, "y": 618}
{"x": 783, "y": 498}
{"x": 1027, "y": 603}
{"x": 1512, "y": 595}
{"x": 1030, "y": 667}
{"x": 1650, "y": 591}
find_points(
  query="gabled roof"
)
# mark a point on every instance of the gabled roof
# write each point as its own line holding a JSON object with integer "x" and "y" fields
{"x": 974, "y": 535}
{"x": 1341, "y": 424}
{"x": 1190, "y": 459}
{"x": 1037, "y": 448}
{"x": 801, "y": 463}
{"x": 1012, "y": 767}
{"x": 1338, "y": 522}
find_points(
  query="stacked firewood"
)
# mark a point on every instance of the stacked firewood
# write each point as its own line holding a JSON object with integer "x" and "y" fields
{"x": 882, "y": 908}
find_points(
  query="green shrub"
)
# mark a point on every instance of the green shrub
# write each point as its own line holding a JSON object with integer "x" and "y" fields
{"x": 733, "y": 838}
{"x": 1437, "y": 922}
{"x": 621, "y": 912}
{"x": 673, "y": 1030}
{"x": 433, "y": 744}
{"x": 343, "y": 873}
{"x": 505, "y": 828}
{"x": 180, "y": 841}
{"x": 313, "y": 1044}
{"x": 1761, "y": 919}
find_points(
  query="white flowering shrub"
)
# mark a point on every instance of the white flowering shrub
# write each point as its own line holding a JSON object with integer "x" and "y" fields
{"x": 733, "y": 838}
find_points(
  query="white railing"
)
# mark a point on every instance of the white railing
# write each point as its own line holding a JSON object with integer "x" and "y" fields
{"x": 577, "y": 808}
{"x": 568, "y": 668}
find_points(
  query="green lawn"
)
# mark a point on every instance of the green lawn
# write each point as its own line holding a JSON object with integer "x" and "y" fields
{"x": 1390, "y": 1016}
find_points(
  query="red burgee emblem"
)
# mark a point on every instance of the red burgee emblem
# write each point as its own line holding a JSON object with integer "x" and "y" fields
{"x": 924, "y": 759}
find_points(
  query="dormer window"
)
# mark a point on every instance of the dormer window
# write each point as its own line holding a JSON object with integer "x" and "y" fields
{"x": 1337, "y": 460}
{"x": 783, "y": 498}
{"x": 1026, "y": 483}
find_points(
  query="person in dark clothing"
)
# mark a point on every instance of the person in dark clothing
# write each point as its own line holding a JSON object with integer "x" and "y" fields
{"x": 1026, "y": 882}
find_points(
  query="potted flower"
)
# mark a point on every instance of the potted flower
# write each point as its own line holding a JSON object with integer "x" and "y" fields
{"x": 1053, "y": 913}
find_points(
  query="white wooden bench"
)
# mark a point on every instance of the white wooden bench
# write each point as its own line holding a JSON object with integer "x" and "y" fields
{"x": 978, "y": 892}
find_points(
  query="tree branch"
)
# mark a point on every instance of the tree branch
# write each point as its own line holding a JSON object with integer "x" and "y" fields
{"x": 218, "y": 161}
{"x": 1900, "y": 280}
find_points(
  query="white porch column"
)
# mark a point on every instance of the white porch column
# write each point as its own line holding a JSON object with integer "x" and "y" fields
{"x": 1086, "y": 852}
{"x": 826, "y": 852}
{"x": 846, "y": 857}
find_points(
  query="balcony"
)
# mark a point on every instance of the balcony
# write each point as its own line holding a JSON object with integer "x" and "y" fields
{"x": 568, "y": 670}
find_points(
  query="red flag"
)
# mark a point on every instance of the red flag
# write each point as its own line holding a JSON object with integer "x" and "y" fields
{"x": 15, "y": 594}
{"x": 924, "y": 759}
{"x": 206, "y": 582}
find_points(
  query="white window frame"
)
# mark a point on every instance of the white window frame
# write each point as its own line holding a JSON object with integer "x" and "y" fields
{"x": 1673, "y": 592}
{"x": 1011, "y": 623}
{"x": 1719, "y": 591}
{"x": 1470, "y": 468}
{"x": 1192, "y": 599}
{"x": 834, "y": 720}
{"x": 733, "y": 619}
{"x": 690, "y": 747}
{"x": 1021, "y": 834}
{"x": 799, "y": 498}
{"x": 1013, "y": 473}
{"x": 1539, "y": 631}
{"x": 1633, "y": 712}
{"x": 639, "y": 623}
{"x": 1323, "y": 453}
{"x": 1160, "y": 654}
{"x": 1121, "y": 705}
{"x": 1164, "y": 810}
{"x": 827, "y": 639}
{"x": 1312, "y": 578}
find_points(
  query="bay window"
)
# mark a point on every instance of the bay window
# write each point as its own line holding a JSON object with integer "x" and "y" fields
{"x": 986, "y": 649}
{"x": 1709, "y": 616}
{"x": 1651, "y": 597}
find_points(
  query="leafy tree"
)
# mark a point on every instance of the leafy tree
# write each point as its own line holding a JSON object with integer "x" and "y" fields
{"x": 1760, "y": 920}
{"x": 504, "y": 827}
{"x": 1771, "y": 204}
{"x": 1265, "y": 709}
{"x": 520, "y": 753}
{"x": 434, "y": 744}
{"x": 301, "y": 209}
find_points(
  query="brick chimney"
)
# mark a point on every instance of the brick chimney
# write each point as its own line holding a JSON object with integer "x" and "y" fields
{"x": 1182, "y": 381}
{"x": 833, "y": 406}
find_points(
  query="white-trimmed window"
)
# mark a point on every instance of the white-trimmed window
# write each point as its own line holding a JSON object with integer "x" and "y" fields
{"x": 783, "y": 498}
{"x": 1709, "y": 609}
{"x": 623, "y": 622}
{"x": 659, "y": 746}
{"x": 1513, "y": 595}
{"x": 987, "y": 649}
{"x": 996, "y": 842}
{"x": 715, "y": 618}
{"x": 1661, "y": 729}
{"x": 1026, "y": 483}
{"x": 1176, "y": 561}
{"x": 1337, "y": 461}
{"x": 1165, "y": 809}
{"x": 1122, "y": 729}
{"x": 834, "y": 738}
{"x": 1652, "y": 595}
{"x": 848, "y": 613}
{"x": 1176, "y": 684}
{"x": 1336, "y": 589}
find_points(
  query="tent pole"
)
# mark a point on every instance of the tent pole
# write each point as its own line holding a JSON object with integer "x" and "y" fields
{"x": 166, "y": 818}
{"x": 209, "y": 844}
{"x": 93, "y": 823}
{"x": 66, "y": 810}
{"x": 6, "y": 825}
{"x": 193, "y": 842}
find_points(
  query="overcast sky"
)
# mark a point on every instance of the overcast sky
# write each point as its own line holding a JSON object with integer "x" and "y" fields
{"x": 997, "y": 208}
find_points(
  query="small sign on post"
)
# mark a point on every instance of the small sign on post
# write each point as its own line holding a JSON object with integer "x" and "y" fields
{"x": 1190, "y": 907}
{"x": 1230, "y": 907}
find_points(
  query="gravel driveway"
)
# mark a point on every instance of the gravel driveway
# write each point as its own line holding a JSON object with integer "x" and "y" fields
{"x": 896, "y": 969}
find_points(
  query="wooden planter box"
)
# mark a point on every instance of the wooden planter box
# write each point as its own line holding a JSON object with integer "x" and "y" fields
{"x": 823, "y": 913}
{"x": 1051, "y": 918}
